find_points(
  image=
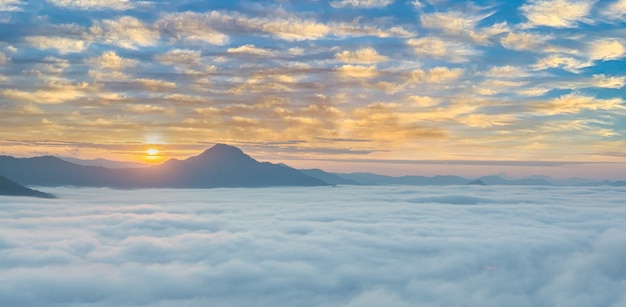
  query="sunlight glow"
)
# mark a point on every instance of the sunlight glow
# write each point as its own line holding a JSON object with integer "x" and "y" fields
{"x": 152, "y": 151}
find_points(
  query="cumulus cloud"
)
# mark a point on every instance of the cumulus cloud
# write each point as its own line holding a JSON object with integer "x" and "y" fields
{"x": 466, "y": 23}
{"x": 126, "y": 32}
{"x": 557, "y": 61}
{"x": 604, "y": 81}
{"x": 155, "y": 84}
{"x": 62, "y": 44}
{"x": 110, "y": 60}
{"x": 345, "y": 246}
{"x": 505, "y": 72}
{"x": 615, "y": 10}
{"x": 450, "y": 22}
{"x": 361, "y": 3}
{"x": 249, "y": 49}
{"x": 575, "y": 103}
{"x": 423, "y": 101}
{"x": 10, "y": 5}
{"x": 524, "y": 41}
{"x": 367, "y": 55}
{"x": 213, "y": 27}
{"x": 436, "y": 75}
{"x": 3, "y": 58}
{"x": 52, "y": 93}
{"x": 557, "y": 13}
{"x": 607, "y": 49}
{"x": 441, "y": 48}
{"x": 190, "y": 26}
{"x": 180, "y": 57}
{"x": 96, "y": 4}
{"x": 357, "y": 71}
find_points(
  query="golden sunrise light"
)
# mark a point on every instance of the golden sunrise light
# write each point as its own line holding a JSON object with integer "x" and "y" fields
{"x": 313, "y": 153}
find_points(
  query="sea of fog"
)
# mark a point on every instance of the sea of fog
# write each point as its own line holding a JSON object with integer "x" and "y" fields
{"x": 324, "y": 246}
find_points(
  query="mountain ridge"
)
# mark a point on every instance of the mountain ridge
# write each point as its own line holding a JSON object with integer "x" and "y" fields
{"x": 9, "y": 187}
{"x": 223, "y": 165}
{"x": 219, "y": 166}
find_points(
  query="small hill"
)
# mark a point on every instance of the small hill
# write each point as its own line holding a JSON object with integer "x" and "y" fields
{"x": 11, "y": 188}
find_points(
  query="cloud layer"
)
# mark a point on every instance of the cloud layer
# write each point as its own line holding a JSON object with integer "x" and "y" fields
{"x": 346, "y": 246}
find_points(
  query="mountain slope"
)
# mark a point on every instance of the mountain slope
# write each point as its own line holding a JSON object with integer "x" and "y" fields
{"x": 11, "y": 188}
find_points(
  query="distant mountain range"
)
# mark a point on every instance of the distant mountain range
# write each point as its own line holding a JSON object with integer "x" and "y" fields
{"x": 11, "y": 188}
{"x": 376, "y": 179}
{"x": 104, "y": 163}
{"x": 225, "y": 166}
{"x": 219, "y": 166}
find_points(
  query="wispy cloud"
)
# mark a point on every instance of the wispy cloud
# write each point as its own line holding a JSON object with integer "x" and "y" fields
{"x": 557, "y": 13}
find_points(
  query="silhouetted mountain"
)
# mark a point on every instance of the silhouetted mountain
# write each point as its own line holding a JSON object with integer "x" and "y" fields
{"x": 11, "y": 188}
{"x": 496, "y": 180}
{"x": 328, "y": 177}
{"x": 476, "y": 182}
{"x": 104, "y": 163}
{"x": 565, "y": 182}
{"x": 375, "y": 179}
{"x": 219, "y": 166}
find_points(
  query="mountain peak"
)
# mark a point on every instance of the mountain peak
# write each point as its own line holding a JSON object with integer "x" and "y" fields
{"x": 221, "y": 153}
{"x": 224, "y": 148}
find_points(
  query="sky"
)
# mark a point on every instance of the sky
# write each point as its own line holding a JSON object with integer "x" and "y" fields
{"x": 393, "y": 86}
{"x": 347, "y": 246}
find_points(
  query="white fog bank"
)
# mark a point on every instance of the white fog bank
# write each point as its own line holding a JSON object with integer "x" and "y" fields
{"x": 344, "y": 246}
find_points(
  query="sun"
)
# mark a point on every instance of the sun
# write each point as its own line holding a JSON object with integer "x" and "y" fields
{"x": 152, "y": 151}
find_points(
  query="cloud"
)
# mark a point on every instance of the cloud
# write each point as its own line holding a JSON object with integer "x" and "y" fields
{"x": 3, "y": 58}
{"x": 357, "y": 71}
{"x": 574, "y": 103}
{"x": 110, "y": 60}
{"x": 436, "y": 75}
{"x": 126, "y": 32}
{"x": 615, "y": 10}
{"x": 10, "y": 5}
{"x": 466, "y": 22}
{"x": 249, "y": 49}
{"x": 62, "y": 44}
{"x": 556, "y": 61}
{"x": 525, "y": 41}
{"x": 607, "y": 49}
{"x": 213, "y": 27}
{"x": 190, "y": 26}
{"x": 557, "y": 13}
{"x": 441, "y": 48}
{"x": 344, "y": 246}
{"x": 604, "y": 81}
{"x": 51, "y": 93}
{"x": 155, "y": 84}
{"x": 361, "y": 3}
{"x": 180, "y": 57}
{"x": 96, "y": 4}
{"x": 505, "y": 72}
{"x": 450, "y": 22}
{"x": 423, "y": 101}
{"x": 367, "y": 55}
{"x": 487, "y": 120}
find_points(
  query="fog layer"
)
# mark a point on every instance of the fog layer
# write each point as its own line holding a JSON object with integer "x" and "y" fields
{"x": 344, "y": 246}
